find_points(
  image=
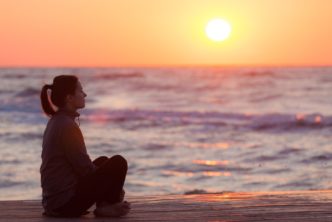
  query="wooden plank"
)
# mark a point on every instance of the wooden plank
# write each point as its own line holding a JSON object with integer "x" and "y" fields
{"x": 259, "y": 206}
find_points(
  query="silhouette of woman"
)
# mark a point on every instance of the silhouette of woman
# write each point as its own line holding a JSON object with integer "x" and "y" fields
{"x": 71, "y": 182}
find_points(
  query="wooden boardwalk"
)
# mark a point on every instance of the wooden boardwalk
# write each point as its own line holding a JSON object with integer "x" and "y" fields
{"x": 263, "y": 206}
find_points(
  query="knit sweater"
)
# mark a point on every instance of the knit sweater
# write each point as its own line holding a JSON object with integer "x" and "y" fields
{"x": 64, "y": 160}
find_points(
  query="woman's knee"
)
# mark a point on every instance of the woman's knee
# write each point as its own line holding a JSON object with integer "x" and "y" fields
{"x": 120, "y": 161}
{"x": 100, "y": 160}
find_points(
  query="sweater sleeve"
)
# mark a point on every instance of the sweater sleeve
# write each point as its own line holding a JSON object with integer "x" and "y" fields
{"x": 75, "y": 150}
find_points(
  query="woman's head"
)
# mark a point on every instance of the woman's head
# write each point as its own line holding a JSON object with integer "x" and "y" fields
{"x": 66, "y": 92}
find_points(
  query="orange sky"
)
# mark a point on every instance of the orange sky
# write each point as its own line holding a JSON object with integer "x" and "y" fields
{"x": 163, "y": 32}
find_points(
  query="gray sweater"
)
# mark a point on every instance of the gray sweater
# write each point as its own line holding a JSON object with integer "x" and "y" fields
{"x": 64, "y": 160}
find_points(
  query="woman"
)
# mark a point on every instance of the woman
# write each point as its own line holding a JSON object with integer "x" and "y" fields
{"x": 70, "y": 181}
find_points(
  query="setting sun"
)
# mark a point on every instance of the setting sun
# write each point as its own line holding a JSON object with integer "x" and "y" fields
{"x": 218, "y": 29}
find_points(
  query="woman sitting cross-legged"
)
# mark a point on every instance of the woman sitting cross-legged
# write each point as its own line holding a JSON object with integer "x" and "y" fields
{"x": 71, "y": 182}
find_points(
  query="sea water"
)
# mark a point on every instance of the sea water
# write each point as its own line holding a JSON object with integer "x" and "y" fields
{"x": 182, "y": 130}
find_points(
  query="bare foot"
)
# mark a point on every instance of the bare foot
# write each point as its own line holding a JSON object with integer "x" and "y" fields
{"x": 113, "y": 210}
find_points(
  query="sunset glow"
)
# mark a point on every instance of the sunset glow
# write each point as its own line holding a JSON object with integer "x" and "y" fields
{"x": 151, "y": 33}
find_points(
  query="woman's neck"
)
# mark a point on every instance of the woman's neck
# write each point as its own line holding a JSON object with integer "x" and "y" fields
{"x": 70, "y": 111}
{"x": 69, "y": 108}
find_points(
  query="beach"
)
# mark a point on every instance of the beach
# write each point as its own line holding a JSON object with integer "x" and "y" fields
{"x": 295, "y": 206}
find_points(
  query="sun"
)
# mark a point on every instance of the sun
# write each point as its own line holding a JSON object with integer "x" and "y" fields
{"x": 218, "y": 29}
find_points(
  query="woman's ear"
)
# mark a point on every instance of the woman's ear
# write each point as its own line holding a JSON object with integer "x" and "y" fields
{"x": 69, "y": 98}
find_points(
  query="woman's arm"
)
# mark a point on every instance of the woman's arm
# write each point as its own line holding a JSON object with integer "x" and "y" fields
{"x": 75, "y": 150}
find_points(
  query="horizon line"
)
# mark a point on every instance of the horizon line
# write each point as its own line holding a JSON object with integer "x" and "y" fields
{"x": 171, "y": 66}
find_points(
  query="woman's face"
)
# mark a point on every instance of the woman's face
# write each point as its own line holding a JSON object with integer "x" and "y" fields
{"x": 78, "y": 99}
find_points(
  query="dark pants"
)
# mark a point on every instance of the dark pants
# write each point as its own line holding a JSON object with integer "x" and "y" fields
{"x": 105, "y": 184}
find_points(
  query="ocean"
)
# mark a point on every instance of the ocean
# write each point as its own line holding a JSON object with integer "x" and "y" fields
{"x": 181, "y": 129}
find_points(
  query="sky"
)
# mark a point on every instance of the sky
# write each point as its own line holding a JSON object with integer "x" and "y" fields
{"x": 164, "y": 33}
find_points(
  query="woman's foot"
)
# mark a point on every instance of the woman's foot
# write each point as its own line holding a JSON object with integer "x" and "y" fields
{"x": 112, "y": 210}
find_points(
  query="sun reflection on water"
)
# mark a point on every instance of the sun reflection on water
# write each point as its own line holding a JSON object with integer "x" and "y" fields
{"x": 318, "y": 119}
{"x": 177, "y": 173}
{"x": 221, "y": 145}
{"x": 216, "y": 174}
{"x": 211, "y": 162}
{"x": 300, "y": 117}
{"x": 192, "y": 174}
{"x": 99, "y": 118}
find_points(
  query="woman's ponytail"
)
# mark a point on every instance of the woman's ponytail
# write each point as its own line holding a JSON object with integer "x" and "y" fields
{"x": 45, "y": 102}
{"x": 62, "y": 86}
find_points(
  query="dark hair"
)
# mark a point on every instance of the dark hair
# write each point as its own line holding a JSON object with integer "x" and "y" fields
{"x": 61, "y": 87}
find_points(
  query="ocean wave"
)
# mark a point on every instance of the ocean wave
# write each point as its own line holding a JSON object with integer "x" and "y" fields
{"x": 138, "y": 118}
{"x": 264, "y": 158}
{"x": 9, "y": 183}
{"x": 290, "y": 121}
{"x": 10, "y": 161}
{"x": 321, "y": 158}
{"x": 25, "y": 136}
{"x": 5, "y": 91}
{"x": 14, "y": 76}
{"x": 201, "y": 170}
{"x": 28, "y": 92}
{"x": 195, "y": 191}
{"x": 259, "y": 122}
{"x": 264, "y": 98}
{"x": 295, "y": 185}
{"x": 289, "y": 150}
